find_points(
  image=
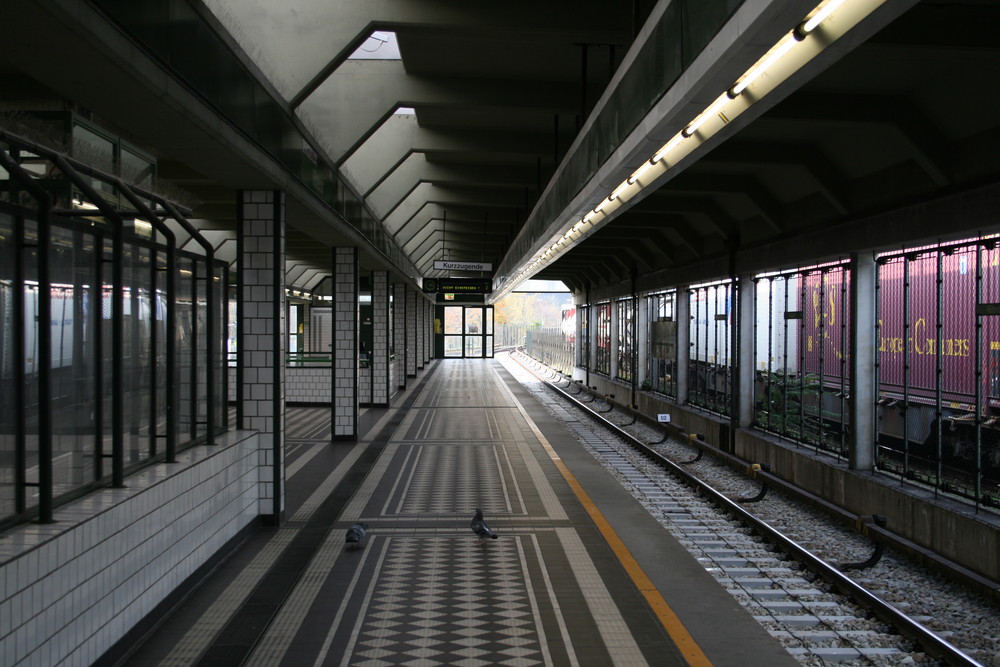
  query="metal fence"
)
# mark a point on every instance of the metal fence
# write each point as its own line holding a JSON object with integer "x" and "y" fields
{"x": 602, "y": 339}
{"x": 626, "y": 328}
{"x": 511, "y": 335}
{"x": 551, "y": 346}
{"x": 710, "y": 373}
{"x": 661, "y": 368}
{"x": 801, "y": 328}
{"x": 939, "y": 367}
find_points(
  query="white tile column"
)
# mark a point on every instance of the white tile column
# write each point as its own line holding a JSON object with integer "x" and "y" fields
{"x": 421, "y": 316}
{"x": 345, "y": 344}
{"x": 400, "y": 331}
{"x": 260, "y": 365}
{"x": 429, "y": 329}
{"x": 411, "y": 332}
{"x": 380, "y": 339}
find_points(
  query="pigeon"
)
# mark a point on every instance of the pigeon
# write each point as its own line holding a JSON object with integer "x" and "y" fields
{"x": 479, "y": 527}
{"x": 356, "y": 533}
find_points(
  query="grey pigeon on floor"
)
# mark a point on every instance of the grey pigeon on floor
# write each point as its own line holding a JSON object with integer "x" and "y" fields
{"x": 479, "y": 527}
{"x": 356, "y": 533}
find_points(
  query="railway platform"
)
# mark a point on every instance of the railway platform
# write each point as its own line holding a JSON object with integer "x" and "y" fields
{"x": 580, "y": 573}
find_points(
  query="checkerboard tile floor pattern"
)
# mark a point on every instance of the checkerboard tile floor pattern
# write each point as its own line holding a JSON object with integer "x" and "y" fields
{"x": 450, "y": 601}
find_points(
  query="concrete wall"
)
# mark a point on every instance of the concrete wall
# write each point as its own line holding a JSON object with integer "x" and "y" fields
{"x": 945, "y": 526}
{"x": 71, "y": 589}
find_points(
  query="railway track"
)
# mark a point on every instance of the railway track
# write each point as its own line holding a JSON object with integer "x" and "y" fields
{"x": 820, "y": 614}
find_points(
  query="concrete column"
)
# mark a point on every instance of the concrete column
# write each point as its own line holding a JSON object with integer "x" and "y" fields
{"x": 863, "y": 356}
{"x": 591, "y": 340}
{"x": 399, "y": 299}
{"x": 345, "y": 344}
{"x": 260, "y": 365}
{"x": 411, "y": 332}
{"x": 641, "y": 343}
{"x": 683, "y": 309}
{"x": 746, "y": 300}
{"x": 380, "y": 339}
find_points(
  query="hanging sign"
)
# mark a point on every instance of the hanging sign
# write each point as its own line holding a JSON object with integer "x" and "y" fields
{"x": 443, "y": 265}
{"x": 457, "y": 285}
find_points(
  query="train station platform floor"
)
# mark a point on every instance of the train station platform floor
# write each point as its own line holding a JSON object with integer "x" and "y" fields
{"x": 580, "y": 574}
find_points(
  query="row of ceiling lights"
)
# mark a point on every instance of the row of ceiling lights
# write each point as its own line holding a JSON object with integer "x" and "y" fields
{"x": 745, "y": 91}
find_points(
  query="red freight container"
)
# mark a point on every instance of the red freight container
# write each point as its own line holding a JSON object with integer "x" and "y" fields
{"x": 919, "y": 348}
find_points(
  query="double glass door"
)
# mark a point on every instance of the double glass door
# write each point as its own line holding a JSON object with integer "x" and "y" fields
{"x": 468, "y": 332}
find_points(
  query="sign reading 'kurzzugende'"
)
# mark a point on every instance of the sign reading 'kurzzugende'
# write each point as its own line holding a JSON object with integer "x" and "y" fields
{"x": 443, "y": 265}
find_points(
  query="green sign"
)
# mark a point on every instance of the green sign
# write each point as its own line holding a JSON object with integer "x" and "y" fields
{"x": 458, "y": 285}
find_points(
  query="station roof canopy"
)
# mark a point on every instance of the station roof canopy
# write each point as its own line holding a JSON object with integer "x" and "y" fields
{"x": 486, "y": 132}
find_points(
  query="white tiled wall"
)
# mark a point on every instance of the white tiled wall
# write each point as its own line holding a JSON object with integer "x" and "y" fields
{"x": 307, "y": 385}
{"x": 262, "y": 342}
{"x": 429, "y": 328}
{"x": 400, "y": 298}
{"x": 312, "y": 385}
{"x": 380, "y": 335}
{"x": 69, "y": 590}
{"x": 345, "y": 358}
{"x": 411, "y": 333}
{"x": 421, "y": 331}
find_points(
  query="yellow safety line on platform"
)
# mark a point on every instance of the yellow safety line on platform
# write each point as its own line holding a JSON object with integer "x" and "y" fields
{"x": 685, "y": 643}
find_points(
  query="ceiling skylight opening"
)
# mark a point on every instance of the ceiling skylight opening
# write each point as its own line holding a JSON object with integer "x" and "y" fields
{"x": 380, "y": 45}
{"x": 405, "y": 111}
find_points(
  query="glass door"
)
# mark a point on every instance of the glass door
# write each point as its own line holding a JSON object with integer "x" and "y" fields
{"x": 454, "y": 325}
{"x": 468, "y": 332}
{"x": 473, "y": 332}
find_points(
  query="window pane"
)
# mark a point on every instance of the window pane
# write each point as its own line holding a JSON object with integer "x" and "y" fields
{"x": 30, "y": 359}
{"x": 185, "y": 348}
{"x": 453, "y": 346}
{"x": 453, "y": 319}
{"x": 137, "y": 353}
{"x": 96, "y": 150}
{"x": 201, "y": 349}
{"x": 74, "y": 359}
{"x": 474, "y": 346}
{"x": 474, "y": 320}
{"x": 8, "y": 405}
